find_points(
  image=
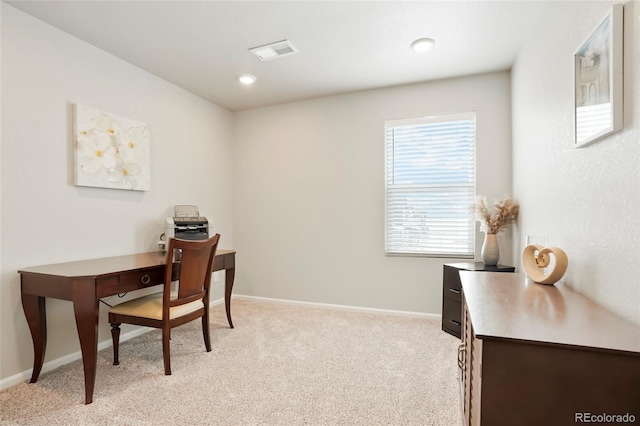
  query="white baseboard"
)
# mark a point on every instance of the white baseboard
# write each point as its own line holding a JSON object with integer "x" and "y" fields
{"x": 341, "y": 307}
{"x": 58, "y": 362}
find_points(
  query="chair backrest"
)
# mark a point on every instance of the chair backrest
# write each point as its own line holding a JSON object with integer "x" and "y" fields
{"x": 195, "y": 265}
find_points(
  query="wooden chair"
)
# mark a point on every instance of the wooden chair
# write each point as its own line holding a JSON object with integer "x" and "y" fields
{"x": 170, "y": 309}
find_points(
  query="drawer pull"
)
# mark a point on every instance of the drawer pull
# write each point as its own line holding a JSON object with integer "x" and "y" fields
{"x": 461, "y": 353}
{"x": 146, "y": 279}
{"x": 453, "y": 290}
{"x": 455, "y": 322}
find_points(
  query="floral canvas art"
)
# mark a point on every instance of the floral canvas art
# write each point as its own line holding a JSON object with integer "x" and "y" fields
{"x": 111, "y": 151}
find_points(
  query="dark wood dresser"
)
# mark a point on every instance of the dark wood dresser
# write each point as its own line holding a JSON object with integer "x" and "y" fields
{"x": 535, "y": 354}
{"x": 451, "y": 292}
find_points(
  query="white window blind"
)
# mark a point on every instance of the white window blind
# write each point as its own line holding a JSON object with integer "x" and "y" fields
{"x": 430, "y": 186}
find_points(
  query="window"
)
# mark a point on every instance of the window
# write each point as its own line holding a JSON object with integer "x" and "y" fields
{"x": 430, "y": 186}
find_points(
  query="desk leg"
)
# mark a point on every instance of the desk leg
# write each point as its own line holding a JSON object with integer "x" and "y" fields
{"x": 85, "y": 307}
{"x": 229, "y": 275}
{"x": 35, "y": 312}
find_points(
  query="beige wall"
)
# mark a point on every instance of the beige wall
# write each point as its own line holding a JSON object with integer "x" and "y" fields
{"x": 586, "y": 200}
{"x": 45, "y": 218}
{"x": 309, "y": 193}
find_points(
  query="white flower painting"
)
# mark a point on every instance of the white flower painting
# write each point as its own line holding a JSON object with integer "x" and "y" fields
{"x": 111, "y": 151}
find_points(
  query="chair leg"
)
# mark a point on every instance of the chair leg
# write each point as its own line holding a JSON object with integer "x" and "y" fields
{"x": 205, "y": 331}
{"x": 115, "y": 336}
{"x": 166, "y": 351}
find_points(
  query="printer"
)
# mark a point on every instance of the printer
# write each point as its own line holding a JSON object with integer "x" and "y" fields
{"x": 186, "y": 224}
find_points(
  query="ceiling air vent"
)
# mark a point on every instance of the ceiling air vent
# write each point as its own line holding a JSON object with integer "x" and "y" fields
{"x": 274, "y": 50}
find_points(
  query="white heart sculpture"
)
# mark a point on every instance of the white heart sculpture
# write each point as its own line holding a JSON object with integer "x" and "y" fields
{"x": 534, "y": 263}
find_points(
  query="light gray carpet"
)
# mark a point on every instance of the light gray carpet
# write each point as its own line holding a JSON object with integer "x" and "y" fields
{"x": 281, "y": 365}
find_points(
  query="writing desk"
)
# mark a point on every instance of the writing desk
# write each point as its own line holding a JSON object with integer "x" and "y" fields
{"x": 84, "y": 283}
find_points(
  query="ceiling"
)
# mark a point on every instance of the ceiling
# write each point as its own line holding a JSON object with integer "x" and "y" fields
{"x": 344, "y": 46}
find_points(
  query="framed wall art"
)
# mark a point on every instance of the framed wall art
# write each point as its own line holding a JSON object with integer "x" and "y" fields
{"x": 598, "y": 80}
{"x": 110, "y": 151}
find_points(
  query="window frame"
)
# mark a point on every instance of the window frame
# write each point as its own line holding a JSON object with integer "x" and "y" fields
{"x": 471, "y": 188}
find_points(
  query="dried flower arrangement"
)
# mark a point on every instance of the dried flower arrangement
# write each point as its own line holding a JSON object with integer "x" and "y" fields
{"x": 506, "y": 213}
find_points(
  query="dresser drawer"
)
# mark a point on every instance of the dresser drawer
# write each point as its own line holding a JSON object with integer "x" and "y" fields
{"x": 451, "y": 287}
{"x": 140, "y": 279}
{"x": 452, "y": 316}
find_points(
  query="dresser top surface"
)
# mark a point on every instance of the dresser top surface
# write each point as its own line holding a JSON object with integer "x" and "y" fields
{"x": 510, "y": 306}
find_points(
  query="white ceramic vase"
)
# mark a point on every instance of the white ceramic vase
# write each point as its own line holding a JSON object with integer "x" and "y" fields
{"x": 490, "y": 250}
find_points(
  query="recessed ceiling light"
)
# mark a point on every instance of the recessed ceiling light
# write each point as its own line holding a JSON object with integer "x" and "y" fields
{"x": 422, "y": 44}
{"x": 247, "y": 79}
